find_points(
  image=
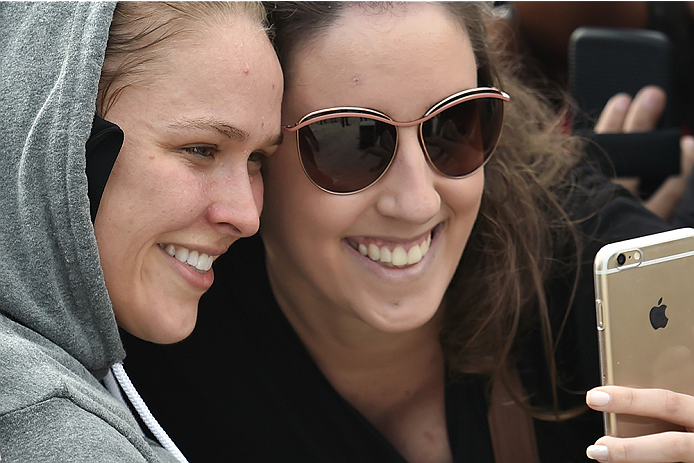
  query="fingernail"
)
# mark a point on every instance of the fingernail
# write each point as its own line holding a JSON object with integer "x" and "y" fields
{"x": 597, "y": 398}
{"x": 597, "y": 452}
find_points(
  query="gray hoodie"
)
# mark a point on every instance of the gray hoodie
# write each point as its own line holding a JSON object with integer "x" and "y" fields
{"x": 58, "y": 334}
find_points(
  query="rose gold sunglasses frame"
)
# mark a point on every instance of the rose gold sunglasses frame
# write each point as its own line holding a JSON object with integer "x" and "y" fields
{"x": 354, "y": 111}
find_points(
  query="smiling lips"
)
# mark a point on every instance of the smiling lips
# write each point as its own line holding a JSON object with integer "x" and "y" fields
{"x": 198, "y": 260}
{"x": 392, "y": 255}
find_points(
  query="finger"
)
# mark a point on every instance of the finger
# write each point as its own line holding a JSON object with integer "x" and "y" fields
{"x": 663, "y": 447}
{"x": 686, "y": 156}
{"x": 645, "y": 110}
{"x": 612, "y": 117}
{"x": 663, "y": 202}
{"x": 665, "y": 199}
{"x": 630, "y": 183}
{"x": 656, "y": 403}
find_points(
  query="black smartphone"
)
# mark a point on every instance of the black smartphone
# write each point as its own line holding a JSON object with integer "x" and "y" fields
{"x": 605, "y": 61}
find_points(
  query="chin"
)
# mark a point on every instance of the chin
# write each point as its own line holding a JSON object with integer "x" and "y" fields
{"x": 397, "y": 315}
{"x": 169, "y": 329}
{"x": 171, "y": 336}
{"x": 401, "y": 323}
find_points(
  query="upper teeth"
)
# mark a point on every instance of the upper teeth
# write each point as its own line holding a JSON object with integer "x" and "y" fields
{"x": 199, "y": 260}
{"x": 398, "y": 257}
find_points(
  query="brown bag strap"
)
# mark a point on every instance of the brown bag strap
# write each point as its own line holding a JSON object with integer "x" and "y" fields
{"x": 511, "y": 427}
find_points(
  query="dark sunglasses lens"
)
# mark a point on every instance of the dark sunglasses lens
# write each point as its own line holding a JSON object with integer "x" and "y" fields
{"x": 346, "y": 154}
{"x": 460, "y": 139}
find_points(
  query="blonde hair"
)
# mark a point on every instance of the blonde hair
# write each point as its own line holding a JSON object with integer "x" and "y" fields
{"x": 140, "y": 31}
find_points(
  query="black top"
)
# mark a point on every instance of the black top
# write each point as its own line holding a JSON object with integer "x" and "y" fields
{"x": 243, "y": 388}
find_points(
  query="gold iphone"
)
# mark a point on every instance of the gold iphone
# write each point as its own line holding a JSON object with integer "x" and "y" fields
{"x": 644, "y": 297}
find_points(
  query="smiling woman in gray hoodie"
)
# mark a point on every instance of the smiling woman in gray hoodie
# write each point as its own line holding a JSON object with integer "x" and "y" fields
{"x": 187, "y": 96}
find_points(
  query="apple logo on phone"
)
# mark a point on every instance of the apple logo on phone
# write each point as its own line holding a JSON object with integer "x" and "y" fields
{"x": 657, "y": 315}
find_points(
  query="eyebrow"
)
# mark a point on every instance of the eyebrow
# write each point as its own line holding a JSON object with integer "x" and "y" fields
{"x": 210, "y": 124}
{"x": 225, "y": 129}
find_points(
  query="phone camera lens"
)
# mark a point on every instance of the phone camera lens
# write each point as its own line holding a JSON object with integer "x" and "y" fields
{"x": 621, "y": 258}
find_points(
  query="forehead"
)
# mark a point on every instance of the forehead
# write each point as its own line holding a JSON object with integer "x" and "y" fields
{"x": 223, "y": 78}
{"x": 235, "y": 54}
{"x": 414, "y": 47}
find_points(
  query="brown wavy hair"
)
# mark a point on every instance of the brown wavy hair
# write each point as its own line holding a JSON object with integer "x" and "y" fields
{"x": 139, "y": 30}
{"x": 498, "y": 291}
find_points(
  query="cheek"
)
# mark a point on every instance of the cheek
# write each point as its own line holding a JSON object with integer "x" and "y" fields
{"x": 292, "y": 203}
{"x": 283, "y": 206}
{"x": 143, "y": 198}
{"x": 150, "y": 184}
{"x": 283, "y": 182}
{"x": 464, "y": 197}
{"x": 257, "y": 189}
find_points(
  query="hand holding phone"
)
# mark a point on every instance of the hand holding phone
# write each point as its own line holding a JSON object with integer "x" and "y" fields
{"x": 656, "y": 403}
{"x": 645, "y": 321}
{"x": 644, "y": 294}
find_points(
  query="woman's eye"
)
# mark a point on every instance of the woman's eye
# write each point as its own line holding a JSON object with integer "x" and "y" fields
{"x": 201, "y": 151}
{"x": 256, "y": 161}
{"x": 257, "y": 157}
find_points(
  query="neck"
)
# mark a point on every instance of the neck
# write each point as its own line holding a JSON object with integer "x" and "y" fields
{"x": 343, "y": 345}
{"x": 395, "y": 380}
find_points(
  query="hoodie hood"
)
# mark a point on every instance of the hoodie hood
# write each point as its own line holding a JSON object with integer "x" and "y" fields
{"x": 51, "y": 282}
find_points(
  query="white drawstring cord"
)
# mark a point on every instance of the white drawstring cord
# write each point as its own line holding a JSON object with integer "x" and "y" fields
{"x": 143, "y": 411}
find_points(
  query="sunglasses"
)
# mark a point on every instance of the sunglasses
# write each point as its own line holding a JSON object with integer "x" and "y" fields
{"x": 346, "y": 150}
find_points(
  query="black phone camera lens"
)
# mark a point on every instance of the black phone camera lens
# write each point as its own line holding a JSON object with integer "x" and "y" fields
{"x": 621, "y": 258}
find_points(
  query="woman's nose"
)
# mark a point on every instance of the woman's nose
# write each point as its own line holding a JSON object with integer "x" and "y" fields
{"x": 236, "y": 202}
{"x": 408, "y": 189}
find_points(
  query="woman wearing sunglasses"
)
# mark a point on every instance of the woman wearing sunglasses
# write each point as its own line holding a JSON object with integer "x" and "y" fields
{"x": 427, "y": 242}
